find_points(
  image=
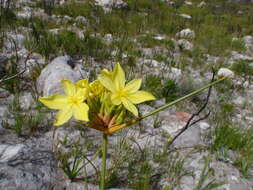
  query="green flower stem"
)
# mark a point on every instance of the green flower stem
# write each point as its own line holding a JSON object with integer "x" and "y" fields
{"x": 128, "y": 123}
{"x": 180, "y": 99}
{"x": 104, "y": 153}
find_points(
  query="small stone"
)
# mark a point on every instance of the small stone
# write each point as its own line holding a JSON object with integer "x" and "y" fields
{"x": 9, "y": 151}
{"x": 54, "y": 31}
{"x": 108, "y": 38}
{"x": 174, "y": 74}
{"x": 14, "y": 41}
{"x": 186, "y": 33}
{"x": 81, "y": 19}
{"x": 185, "y": 16}
{"x": 226, "y": 73}
{"x": 203, "y": 125}
{"x": 159, "y": 103}
{"x": 201, "y": 4}
{"x": 238, "y": 56}
{"x": 26, "y": 100}
{"x": 239, "y": 100}
{"x": 186, "y": 45}
{"x": 188, "y": 2}
{"x": 159, "y": 38}
{"x": 109, "y": 4}
{"x": 24, "y": 15}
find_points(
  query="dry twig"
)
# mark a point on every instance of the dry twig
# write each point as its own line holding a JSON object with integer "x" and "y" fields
{"x": 190, "y": 121}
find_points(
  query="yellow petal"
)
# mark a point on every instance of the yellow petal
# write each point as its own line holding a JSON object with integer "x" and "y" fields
{"x": 63, "y": 115}
{"x": 81, "y": 112}
{"x": 96, "y": 87}
{"x": 115, "y": 99}
{"x": 84, "y": 83}
{"x": 133, "y": 85}
{"x": 69, "y": 87}
{"x": 81, "y": 94}
{"x": 129, "y": 106}
{"x": 140, "y": 96}
{"x": 56, "y": 101}
{"x": 107, "y": 83}
{"x": 119, "y": 77}
{"x": 106, "y": 73}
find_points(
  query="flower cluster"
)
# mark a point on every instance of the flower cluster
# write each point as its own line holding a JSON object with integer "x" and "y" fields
{"x": 101, "y": 103}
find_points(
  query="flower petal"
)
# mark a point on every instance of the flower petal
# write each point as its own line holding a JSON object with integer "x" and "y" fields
{"x": 84, "y": 83}
{"x": 119, "y": 77}
{"x": 81, "y": 112}
{"x": 81, "y": 93}
{"x": 56, "y": 101}
{"x": 133, "y": 85}
{"x": 69, "y": 87}
{"x": 129, "y": 106}
{"x": 107, "y": 82}
{"x": 107, "y": 73}
{"x": 115, "y": 99}
{"x": 63, "y": 115}
{"x": 140, "y": 96}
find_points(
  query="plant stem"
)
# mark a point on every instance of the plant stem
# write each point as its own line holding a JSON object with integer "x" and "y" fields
{"x": 104, "y": 153}
{"x": 181, "y": 99}
{"x": 130, "y": 122}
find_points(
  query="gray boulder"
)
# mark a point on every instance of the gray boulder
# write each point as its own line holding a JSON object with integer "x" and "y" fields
{"x": 60, "y": 68}
{"x": 14, "y": 41}
{"x": 27, "y": 166}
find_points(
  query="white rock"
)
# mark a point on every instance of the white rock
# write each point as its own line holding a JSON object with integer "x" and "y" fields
{"x": 226, "y": 72}
{"x": 239, "y": 100}
{"x": 26, "y": 100}
{"x": 108, "y": 38}
{"x": 23, "y": 53}
{"x": 238, "y": 56}
{"x": 185, "y": 44}
{"x": 201, "y": 4}
{"x": 54, "y": 31}
{"x": 186, "y": 33}
{"x": 185, "y": 16}
{"x": 147, "y": 52}
{"x": 14, "y": 41}
{"x": 159, "y": 38}
{"x": 188, "y": 2}
{"x": 204, "y": 125}
{"x": 81, "y": 19}
{"x": 212, "y": 59}
{"x": 248, "y": 40}
{"x": 175, "y": 73}
{"x": 151, "y": 63}
{"x": 25, "y": 15}
{"x": 109, "y": 4}
{"x": 50, "y": 77}
{"x": 3, "y": 111}
{"x": 9, "y": 151}
{"x": 30, "y": 65}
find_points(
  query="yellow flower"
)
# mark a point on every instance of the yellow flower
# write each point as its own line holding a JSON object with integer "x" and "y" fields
{"x": 96, "y": 88}
{"x": 93, "y": 89}
{"x": 126, "y": 94}
{"x": 71, "y": 104}
{"x": 107, "y": 73}
{"x": 84, "y": 83}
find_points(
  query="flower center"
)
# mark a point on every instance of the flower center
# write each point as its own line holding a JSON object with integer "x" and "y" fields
{"x": 121, "y": 93}
{"x": 74, "y": 100}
